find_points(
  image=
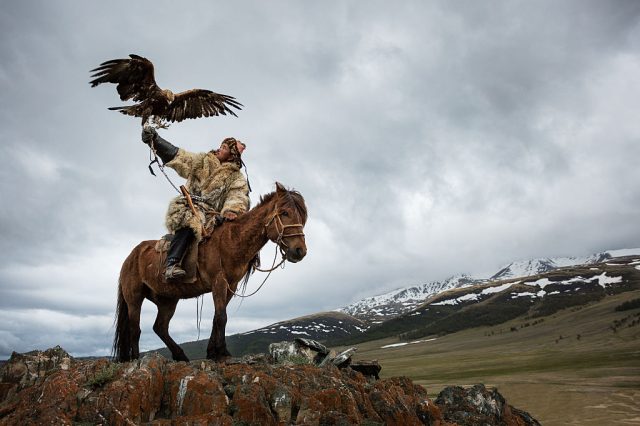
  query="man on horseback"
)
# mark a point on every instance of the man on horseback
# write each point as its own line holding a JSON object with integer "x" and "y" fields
{"x": 215, "y": 183}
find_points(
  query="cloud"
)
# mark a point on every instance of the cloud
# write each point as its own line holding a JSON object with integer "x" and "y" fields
{"x": 427, "y": 139}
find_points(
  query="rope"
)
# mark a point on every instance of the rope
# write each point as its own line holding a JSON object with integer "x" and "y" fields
{"x": 244, "y": 296}
{"x": 160, "y": 167}
{"x": 280, "y": 227}
{"x": 199, "y": 318}
{"x": 152, "y": 151}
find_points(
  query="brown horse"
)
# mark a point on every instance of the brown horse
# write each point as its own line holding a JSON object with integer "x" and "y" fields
{"x": 223, "y": 259}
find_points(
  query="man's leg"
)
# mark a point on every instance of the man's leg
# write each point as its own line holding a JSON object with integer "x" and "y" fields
{"x": 181, "y": 240}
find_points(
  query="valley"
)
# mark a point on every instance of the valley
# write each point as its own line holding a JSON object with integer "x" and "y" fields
{"x": 563, "y": 342}
{"x": 571, "y": 368}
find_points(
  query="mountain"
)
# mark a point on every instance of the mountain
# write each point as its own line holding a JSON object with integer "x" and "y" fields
{"x": 497, "y": 301}
{"x": 543, "y": 286}
{"x": 537, "y": 266}
{"x": 318, "y": 326}
{"x": 379, "y": 308}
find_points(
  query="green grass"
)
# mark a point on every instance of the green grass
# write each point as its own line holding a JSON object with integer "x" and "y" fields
{"x": 105, "y": 375}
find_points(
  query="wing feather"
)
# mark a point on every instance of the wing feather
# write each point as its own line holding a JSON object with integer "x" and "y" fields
{"x": 135, "y": 80}
{"x": 199, "y": 102}
{"x": 134, "y": 77}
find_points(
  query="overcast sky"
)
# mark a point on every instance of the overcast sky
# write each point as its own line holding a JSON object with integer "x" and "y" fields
{"x": 428, "y": 138}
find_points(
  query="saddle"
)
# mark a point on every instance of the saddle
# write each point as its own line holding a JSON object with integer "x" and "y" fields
{"x": 190, "y": 260}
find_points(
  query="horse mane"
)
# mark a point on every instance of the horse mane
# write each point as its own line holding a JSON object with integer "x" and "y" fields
{"x": 292, "y": 199}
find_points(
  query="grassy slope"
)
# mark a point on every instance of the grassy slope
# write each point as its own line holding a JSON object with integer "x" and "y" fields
{"x": 500, "y": 307}
{"x": 593, "y": 380}
{"x": 242, "y": 344}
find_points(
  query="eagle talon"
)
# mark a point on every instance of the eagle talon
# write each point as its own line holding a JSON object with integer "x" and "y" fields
{"x": 159, "y": 123}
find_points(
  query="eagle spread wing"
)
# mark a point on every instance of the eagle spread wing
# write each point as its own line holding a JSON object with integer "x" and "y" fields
{"x": 134, "y": 77}
{"x": 135, "y": 80}
{"x": 197, "y": 103}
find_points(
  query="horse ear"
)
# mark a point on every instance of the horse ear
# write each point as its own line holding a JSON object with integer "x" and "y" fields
{"x": 280, "y": 187}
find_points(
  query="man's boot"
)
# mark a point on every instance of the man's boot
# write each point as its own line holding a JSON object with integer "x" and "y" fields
{"x": 177, "y": 249}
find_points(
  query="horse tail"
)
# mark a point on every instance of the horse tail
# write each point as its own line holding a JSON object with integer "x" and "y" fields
{"x": 121, "y": 350}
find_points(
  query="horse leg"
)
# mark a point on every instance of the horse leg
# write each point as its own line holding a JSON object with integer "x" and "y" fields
{"x": 134, "y": 326}
{"x": 217, "y": 347}
{"x": 166, "y": 309}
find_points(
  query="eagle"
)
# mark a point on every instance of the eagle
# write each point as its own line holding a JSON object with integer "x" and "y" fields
{"x": 135, "y": 80}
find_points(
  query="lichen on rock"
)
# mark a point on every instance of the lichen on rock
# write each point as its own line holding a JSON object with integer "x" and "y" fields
{"x": 157, "y": 391}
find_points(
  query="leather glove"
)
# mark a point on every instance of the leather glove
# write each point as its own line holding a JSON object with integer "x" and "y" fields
{"x": 149, "y": 135}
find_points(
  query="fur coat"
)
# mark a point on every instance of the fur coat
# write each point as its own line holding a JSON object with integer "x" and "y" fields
{"x": 222, "y": 186}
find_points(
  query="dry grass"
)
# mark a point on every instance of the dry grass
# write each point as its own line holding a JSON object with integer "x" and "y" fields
{"x": 569, "y": 369}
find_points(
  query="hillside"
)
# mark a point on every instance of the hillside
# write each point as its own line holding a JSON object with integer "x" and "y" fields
{"x": 383, "y": 307}
{"x": 317, "y": 327}
{"x": 380, "y": 308}
{"x": 579, "y": 365}
{"x": 499, "y": 301}
{"x": 538, "y": 266}
{"x": 449, "y": 306}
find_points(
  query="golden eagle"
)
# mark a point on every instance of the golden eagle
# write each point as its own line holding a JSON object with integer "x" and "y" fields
{"x": 135, "y": 80}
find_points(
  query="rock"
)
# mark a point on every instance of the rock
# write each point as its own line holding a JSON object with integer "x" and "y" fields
{"x": 478, "y": 405}
{"x": 250, "y": 359}
{"x": 292, "y": 353}
{"x": 156, "y": 391}
{"x": 368, "y": 368}
{"x": 23, "y": 370}
{"x": 313, "y": 345}
{"x": 343, "y": 359}
{"x": 328, "y": 358}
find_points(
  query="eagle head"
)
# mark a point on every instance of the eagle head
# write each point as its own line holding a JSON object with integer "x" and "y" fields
{"x": 169, "y": 96}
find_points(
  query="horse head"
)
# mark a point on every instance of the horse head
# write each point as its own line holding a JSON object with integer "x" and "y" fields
{"x": 285, "y": 226}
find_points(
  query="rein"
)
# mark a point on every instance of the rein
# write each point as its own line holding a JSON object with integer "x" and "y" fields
{"x": 280, "y": 228}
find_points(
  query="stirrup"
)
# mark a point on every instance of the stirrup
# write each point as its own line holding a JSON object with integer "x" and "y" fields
{"x": 174, "y": 273}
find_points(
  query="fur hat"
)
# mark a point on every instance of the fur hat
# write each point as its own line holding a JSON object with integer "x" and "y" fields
{"x": 231, "y": 143}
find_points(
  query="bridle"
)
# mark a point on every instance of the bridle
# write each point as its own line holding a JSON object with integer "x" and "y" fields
{"x": 279, "y": 241}
{"x": 281, "y": 228}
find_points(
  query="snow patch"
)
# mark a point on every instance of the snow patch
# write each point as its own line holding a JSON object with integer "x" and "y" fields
{"x": 524, "y": 294}
{"x": 394, "y": 345}
{"x": 467, "y": 297}
{"x": 542, "y": 283}
{"x": 497, "y": 289}
{"x": 397, "y": 345}
{"x": 603, "y": 279}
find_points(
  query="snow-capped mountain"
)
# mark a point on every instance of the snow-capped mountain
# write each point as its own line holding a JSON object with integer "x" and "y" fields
{"x": 433, "y": 308}
{"x": 379, "y": 308}
{"x": 397, "y": 302}
{"x": 496, "y": 302}
{"x": 529, "y": 268}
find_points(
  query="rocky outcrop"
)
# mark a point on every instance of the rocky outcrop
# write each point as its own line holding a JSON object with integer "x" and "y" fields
{"x": 253, "y": 391}
{"x": 480, "y": 406}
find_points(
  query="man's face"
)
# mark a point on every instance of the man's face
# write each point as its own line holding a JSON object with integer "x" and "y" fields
{"x": 223, "y": 153}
